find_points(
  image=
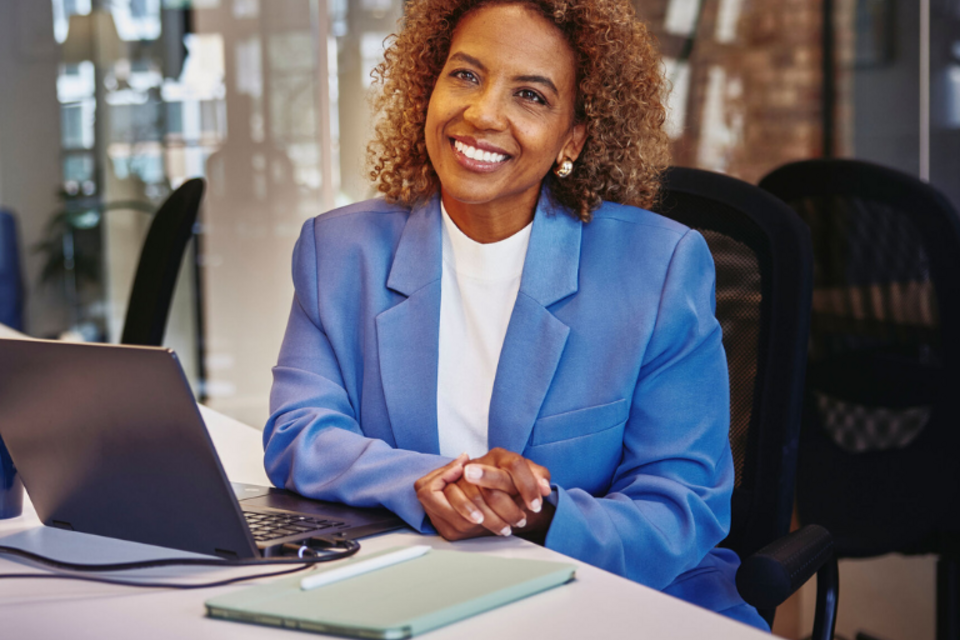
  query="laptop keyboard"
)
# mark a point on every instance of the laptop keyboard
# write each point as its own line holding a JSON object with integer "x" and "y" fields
{"x": 268, "y": 526}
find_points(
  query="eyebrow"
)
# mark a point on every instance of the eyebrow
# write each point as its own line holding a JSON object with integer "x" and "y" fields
{"x": 543, "y": 80}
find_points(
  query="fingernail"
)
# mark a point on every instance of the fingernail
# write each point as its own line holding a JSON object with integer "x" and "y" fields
{"x": 544, "y": 483}
{"x": 476, "y": 516}
{"x": 505, "y": 531}
{"x": 472, "y": 472}
{"x": 522, "y": 524}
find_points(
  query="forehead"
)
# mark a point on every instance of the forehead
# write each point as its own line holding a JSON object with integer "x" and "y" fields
{"x": 516, "y": 36}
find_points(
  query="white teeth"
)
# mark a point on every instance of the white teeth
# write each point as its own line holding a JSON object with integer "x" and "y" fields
{"x": 476, "y": 154}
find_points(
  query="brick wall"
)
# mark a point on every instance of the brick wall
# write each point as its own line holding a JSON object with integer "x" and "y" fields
{"x": 755, "y": 82}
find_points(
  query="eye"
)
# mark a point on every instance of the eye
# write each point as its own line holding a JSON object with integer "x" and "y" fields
{"x": 533, "y": 96}
{"x": 464, "y": 74}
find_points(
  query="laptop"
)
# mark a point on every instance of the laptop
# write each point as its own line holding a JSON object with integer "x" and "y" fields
{"x": 108, "y": 440}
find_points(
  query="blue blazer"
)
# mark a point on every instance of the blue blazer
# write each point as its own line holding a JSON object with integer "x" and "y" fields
{"x": 612, "y": 375}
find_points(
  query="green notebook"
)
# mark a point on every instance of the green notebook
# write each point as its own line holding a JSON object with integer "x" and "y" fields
{"x": 395, "y": 602}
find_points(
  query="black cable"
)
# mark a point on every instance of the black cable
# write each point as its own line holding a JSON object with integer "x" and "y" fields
{"x": 152, "y": 585}
{"x": 350, "y": 548}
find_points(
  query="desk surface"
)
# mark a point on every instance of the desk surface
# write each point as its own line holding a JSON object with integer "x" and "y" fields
{"x": 7, "y": 332}
{"x": 597, "y": 604}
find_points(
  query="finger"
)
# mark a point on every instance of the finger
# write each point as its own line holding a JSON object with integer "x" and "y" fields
{"x": 464, "y": 503}
{"x": 449, "y": 472}
{"x": 454, "y": 470}
{"x": 528, "y": 485}
{"x": 450, "y": 532}
{"x": 445, "y": 518}
{"x": 489, "y": 477}
{"x": 465, "y": 507}
{"x": 512, "y": 475}
{"x": 543, "y": 477}
{"x": 429, "y": 489}
{"x": 504, "y": 505}
{"x": 500, "y": 502}
{"x": 545, "y": 487}
{"x": 504, "y": 459}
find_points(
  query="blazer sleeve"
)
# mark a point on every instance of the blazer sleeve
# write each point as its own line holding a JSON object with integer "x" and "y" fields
{"x": 313, "y": 441}
{"x": 669, "y": 501}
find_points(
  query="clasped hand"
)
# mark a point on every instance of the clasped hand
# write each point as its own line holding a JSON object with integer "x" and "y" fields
{"x": 496, "y": 493}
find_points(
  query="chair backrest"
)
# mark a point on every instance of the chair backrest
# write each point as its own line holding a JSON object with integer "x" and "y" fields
{"x": 761, "y": 251}
{"x": 879, "y": 440}
{"x": 159, "y": 265}
{"x": 11, "y": 279}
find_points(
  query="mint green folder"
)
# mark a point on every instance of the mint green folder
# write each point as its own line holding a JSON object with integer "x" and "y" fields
{"x": 399, "y": 601}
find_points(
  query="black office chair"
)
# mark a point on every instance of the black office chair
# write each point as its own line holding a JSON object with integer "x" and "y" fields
{"x": 881, "y": 433}
{"x": 160, "y": 259}
{"x": 11, "y": 278}
{"x": 761, "y": 250}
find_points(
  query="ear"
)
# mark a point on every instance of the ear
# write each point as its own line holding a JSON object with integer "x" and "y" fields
{"x": 574, "y": 145}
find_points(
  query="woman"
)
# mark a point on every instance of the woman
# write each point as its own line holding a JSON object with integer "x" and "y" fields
{"x": 496, "y": 347}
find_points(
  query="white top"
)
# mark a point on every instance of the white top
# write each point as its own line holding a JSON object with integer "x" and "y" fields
{"x": 478, "y": 289}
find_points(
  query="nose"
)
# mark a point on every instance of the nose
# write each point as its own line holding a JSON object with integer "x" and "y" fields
{"x": 485, "y": 111}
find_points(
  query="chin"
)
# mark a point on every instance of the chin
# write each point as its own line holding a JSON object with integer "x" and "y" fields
{"x": 468, "y": 194}
{"x": 468, "y": 198}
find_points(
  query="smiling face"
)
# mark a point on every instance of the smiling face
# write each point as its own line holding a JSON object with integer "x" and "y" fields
{"x": 500, "y": 117}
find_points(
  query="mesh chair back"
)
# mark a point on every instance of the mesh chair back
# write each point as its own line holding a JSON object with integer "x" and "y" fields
{"x": 876, "y": 455}
{"x": 159, "y": 265}
{"x": 761, "y": 251}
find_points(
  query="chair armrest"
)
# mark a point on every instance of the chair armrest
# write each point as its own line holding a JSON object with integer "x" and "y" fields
{"x": 774, "y": 573}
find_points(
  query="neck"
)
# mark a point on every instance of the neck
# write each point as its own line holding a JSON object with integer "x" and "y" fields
{"x": 489, "y": 222}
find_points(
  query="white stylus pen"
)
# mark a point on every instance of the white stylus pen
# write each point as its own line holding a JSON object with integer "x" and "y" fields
{"x": 365, "y": 566}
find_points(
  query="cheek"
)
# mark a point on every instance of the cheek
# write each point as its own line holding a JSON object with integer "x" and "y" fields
{"x": 545, "y": 148}
{"x": 540, "y": 136}
{"x": 432, "y": 130}
{"x": 432, "y": 106}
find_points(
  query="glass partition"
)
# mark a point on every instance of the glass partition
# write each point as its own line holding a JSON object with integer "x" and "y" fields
{"x": 265, "y": 100}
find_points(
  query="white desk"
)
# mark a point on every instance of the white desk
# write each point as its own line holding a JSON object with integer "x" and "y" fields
{"x": 597, "y": 605}
{"x": 7, "y": 332}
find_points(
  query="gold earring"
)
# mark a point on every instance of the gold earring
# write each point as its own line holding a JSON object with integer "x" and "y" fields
{"x": 565, "y": 169}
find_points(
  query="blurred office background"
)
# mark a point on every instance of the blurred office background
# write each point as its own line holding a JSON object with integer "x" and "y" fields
{"x": 108, "y": 105}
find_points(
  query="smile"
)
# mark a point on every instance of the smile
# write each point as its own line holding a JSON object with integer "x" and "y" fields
{"x": 479, "y": 155}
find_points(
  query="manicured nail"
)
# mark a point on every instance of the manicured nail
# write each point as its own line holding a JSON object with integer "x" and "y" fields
{"x": 476, "y": 516}
{"x": 536, "y": 505}
{"x": 521, "y": 524}
{"x": 505, "y": 531}
{"x": 472, "y": 472}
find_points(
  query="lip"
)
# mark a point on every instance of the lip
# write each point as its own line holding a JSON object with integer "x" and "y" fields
{"x": 476, "y": 165}
{"x": 480, "y": 144}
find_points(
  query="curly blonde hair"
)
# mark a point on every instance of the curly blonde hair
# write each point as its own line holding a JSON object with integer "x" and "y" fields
{"x": 619, "y": 100}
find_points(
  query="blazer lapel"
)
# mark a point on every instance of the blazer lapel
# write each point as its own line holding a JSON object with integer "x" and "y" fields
{"x": 535, "y": 337}
{"x": 408, "y": 333}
